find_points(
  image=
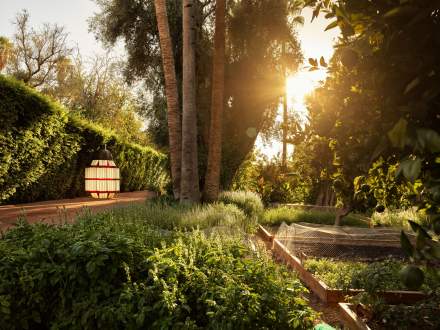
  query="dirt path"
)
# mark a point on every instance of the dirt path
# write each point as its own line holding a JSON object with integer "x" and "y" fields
{"x": 65, "y": 209}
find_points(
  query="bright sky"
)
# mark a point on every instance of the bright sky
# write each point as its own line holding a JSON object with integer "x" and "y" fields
{"x": 315, "y": 42}
{"x": 73, "y": 14}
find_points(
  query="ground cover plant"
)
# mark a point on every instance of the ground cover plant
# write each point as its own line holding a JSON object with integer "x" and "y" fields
{"x": 145, "y": 266}
{"x": 373, "y": 277}
{"x": 278, "y": 215}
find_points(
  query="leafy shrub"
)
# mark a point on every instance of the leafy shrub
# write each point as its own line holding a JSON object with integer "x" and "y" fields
{"x": 398, "y": 218}
{"x": 268, "y": 179}
{"x": 91, "y": 276}
{"x": 421, "y": 315}
{"x": 247, "y": 201}
{"x": 372, "y": 277}
{"x": 278, "y": 215}
{"x": 44, "y": 150}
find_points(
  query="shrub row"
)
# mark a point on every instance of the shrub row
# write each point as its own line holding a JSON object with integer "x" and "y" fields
{"x": 44, "y": 150}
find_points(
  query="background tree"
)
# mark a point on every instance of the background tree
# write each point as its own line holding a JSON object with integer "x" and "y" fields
{"x": 212, "y": 182}
{"x": 189, "y": 187}
{"x": 96, "y": 90}
{"x": 253, "y": 62}
{"x": 36, "y": 53}
{"x": 172, "y": 95}
{"x": 384, "y": 87}
{"x": 5, "y": 51}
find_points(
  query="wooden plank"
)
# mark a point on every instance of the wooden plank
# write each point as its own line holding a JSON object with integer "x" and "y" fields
{"x": 264, "y": 234}
{"x": 318, "y": 287}
{"x": 350, "y": 318}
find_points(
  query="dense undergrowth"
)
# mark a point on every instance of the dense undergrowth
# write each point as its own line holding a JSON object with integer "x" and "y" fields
{"x": 151, "y": 266}
{"x": 44, "y": 150}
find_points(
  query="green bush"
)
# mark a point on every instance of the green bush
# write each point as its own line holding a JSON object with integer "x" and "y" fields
{"x": 372, "y": 277}
{"x": 247, "y": 201}
{"x": 399, "y": 218}
{"x": 278, "y": 215}
{"x": 44, "y": 150}
{"x": 91, "y": 275}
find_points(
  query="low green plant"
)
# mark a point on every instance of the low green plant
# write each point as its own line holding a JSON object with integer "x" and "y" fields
{"x": 398, "y": 218}
{"x": 247, "y": 201}
{"x": 101, "y": 274}
{"x": 278, "y": 215}
{"x": 372, "y": 277}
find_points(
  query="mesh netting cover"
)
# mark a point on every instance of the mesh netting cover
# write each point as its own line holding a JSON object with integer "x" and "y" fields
{"x": 339, "y": 242}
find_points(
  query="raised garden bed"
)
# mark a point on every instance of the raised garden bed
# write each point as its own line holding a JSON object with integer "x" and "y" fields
{"x": 422, "y": 315}
{"x": 322, "y": 290}
{"x": 350, "y": 318}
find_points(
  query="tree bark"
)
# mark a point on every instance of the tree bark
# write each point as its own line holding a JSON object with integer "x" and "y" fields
{"x": 340, "y": 214}
{"x": 172, "y": 95}
{"x": 285, "y": 114}
{"x": 189, "y": 189}
{"x": 212, "y": 180}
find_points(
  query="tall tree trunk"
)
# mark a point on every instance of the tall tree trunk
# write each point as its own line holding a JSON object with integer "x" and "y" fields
{"x": 172, "y": 95}
{"x": 285, "y": 118}
{"x": 189, "y": 189}
{"x": 212, "y": 180}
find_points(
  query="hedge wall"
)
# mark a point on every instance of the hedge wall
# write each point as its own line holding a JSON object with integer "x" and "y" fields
{"x": 44, "y": 150}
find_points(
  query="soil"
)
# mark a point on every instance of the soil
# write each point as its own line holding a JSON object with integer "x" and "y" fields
{"x": 347, "y": 253}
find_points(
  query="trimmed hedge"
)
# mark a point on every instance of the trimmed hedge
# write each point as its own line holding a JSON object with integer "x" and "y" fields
{"x": 44, "y": 150}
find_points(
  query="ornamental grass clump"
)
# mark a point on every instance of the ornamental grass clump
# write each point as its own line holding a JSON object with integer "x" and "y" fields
{"x": 93, "y": 275}
{"x": 171, "y": 217}
{"x": 247, "y": 201}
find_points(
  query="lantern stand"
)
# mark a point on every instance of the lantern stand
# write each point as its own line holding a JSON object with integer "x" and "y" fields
{"x": 102, "y": 179}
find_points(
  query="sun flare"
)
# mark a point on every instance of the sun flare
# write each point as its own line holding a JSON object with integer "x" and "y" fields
{"x": 299, "y": 85}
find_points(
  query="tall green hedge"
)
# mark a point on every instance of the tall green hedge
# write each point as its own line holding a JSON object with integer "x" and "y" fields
{"x": 44, "y": 150}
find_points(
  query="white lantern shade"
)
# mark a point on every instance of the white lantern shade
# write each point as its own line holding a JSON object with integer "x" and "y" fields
{"x": 102, "y": 179}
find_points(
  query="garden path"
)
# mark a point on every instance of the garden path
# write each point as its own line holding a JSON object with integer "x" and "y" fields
{"x": 65, "y": 210}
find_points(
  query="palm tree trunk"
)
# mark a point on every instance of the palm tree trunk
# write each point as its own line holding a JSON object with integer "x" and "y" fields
{"x": 189, "y": 189}
{"x": 212, "y": 180}
{"x": 172, "y": 95}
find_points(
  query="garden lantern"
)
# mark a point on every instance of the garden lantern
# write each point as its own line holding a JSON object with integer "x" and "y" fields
{"x": 102, "y": 177}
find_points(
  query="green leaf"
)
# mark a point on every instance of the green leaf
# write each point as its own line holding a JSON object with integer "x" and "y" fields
{"x": 322, "y": 62}
{"x": 393, "y": 12}
{"x": 397, "y": 134}
{"x": 413, "y": 84}
{"x": 406, "y": 244}
{"x": 411, "y": 169}
{"x": 428, "y": 138}
{"x": 313, "y": 62}
{"x": 418, "y": 229}
{"x": 332, "y": 25}
{"x": 299, "y": 20}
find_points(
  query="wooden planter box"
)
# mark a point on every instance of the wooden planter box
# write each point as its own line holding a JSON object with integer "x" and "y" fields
{"x": 325, "y": 293}
{"x": 350, "y": 319}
